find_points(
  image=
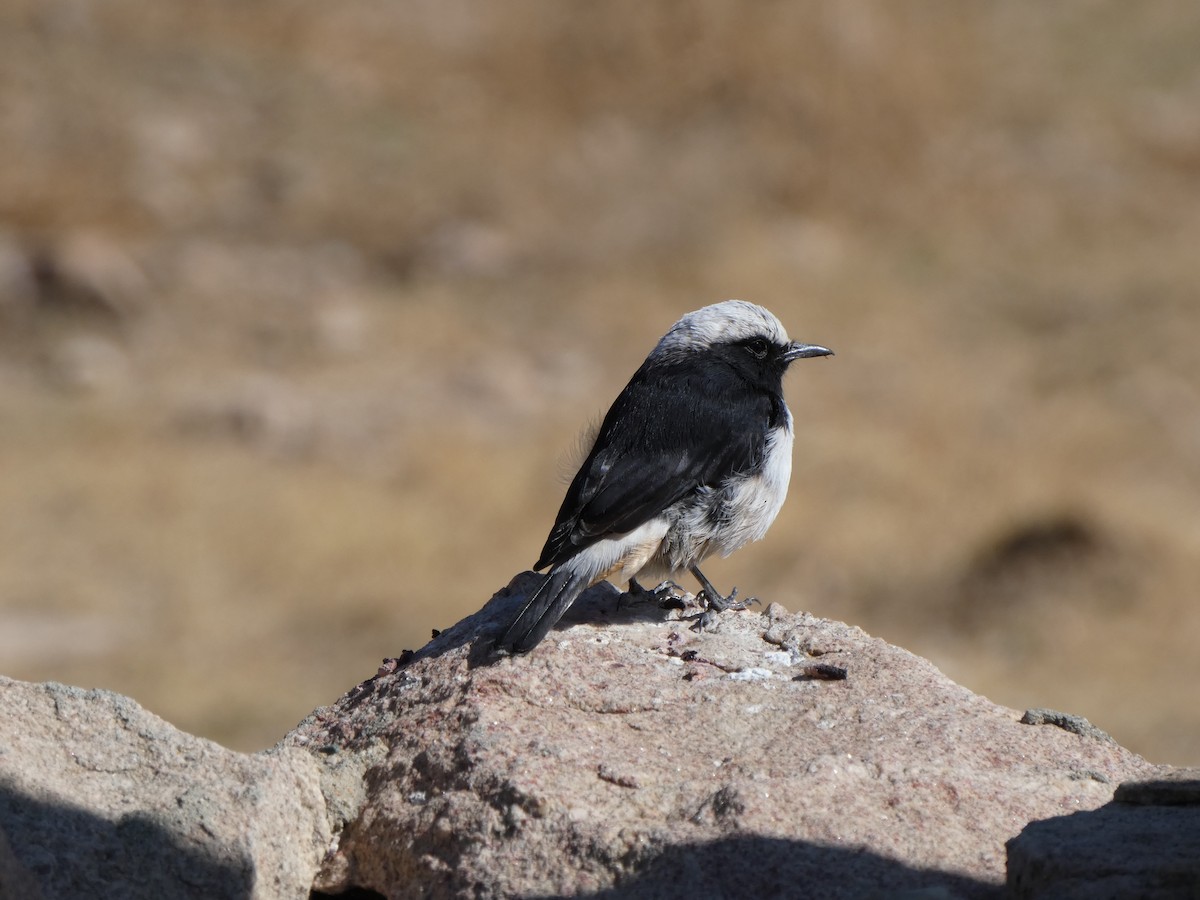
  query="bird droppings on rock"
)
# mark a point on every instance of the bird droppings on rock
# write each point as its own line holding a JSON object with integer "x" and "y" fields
{"x": 751, "y": 673}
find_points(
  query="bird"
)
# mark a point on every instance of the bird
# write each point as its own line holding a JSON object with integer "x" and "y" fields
{"x": 692, "y": 458}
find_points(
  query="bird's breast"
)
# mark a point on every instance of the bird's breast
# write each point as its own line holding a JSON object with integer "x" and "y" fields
{"x": 723, "y": 518}
{"x": 753, "y": 502}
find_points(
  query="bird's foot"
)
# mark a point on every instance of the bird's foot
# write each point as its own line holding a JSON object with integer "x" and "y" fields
{"x": 668, "y": 595}
{"x": 715, "y": 603}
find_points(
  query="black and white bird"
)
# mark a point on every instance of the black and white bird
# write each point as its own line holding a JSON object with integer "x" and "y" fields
{"x": 693, "y": 458}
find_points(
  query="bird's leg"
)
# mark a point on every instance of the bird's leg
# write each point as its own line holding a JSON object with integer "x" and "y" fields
{"x": 715, "y": 602}
{"x": 713, "y": 597}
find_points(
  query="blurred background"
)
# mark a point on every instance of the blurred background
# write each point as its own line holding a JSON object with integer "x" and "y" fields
{"x": 303, "y": 306}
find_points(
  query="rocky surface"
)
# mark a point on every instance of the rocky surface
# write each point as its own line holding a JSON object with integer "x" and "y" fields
{"x": 628, "y": 753}
{"x": 781, "y": 755}
{"x": 98, "y": 797}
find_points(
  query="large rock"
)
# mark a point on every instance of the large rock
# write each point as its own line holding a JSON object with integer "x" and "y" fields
{"x": 782, "y": 755}
{"x": 99, "y": 798}
{"x": 629, "y": 754}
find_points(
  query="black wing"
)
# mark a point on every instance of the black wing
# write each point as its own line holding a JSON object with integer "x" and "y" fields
{"x": 675, "y": 428}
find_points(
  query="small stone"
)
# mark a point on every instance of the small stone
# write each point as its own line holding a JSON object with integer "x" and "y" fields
{"x": 775, "y": 611}
{"x": 1066, "y": 721}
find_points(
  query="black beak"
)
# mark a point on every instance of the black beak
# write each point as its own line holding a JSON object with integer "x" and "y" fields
{"x": 797, "y": 350}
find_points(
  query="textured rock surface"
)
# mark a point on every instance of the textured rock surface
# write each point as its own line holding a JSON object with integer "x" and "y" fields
{"x": 653, "y": 760}
{"x": 1145, "y": 844}
{"x": 100, "y": 798}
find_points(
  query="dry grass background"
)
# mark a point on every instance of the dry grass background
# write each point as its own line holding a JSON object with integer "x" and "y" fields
{"x": 302, "y": 305}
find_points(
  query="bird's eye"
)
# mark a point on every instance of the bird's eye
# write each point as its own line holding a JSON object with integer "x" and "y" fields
{"x": 757, "y": 347}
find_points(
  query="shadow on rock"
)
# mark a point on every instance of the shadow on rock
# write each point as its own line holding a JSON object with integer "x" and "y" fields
{"x": 1146, "y": 843}
{"x": 757, "y": 866}
{"x": 602, "y": 604}
{"x": 56, "y": 850}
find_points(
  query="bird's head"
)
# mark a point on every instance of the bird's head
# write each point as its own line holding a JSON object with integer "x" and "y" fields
{"x": 745, "y": 335}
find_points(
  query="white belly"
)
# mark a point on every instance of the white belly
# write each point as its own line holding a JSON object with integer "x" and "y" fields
{"x": 755, "y": 502}
{"x": 722, "y": 520}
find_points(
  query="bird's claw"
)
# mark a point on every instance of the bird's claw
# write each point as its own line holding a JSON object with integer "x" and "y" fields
{"x": 716, "y": 604}
{"x": 668, "y": 593}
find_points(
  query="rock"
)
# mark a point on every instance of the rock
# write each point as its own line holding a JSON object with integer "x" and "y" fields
{"x": 1145, "y": 844}
{"x": 782, "y": 755}
{"x": 98, "y": 797}
{"x": 1168, "y": 786}
{"x": 629, "y": 756}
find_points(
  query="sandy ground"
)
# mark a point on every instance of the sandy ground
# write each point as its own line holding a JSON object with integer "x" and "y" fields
{"x": 303, "y": 306}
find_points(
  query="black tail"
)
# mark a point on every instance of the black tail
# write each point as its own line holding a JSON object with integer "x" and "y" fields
{"x": 541, "y": 611}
